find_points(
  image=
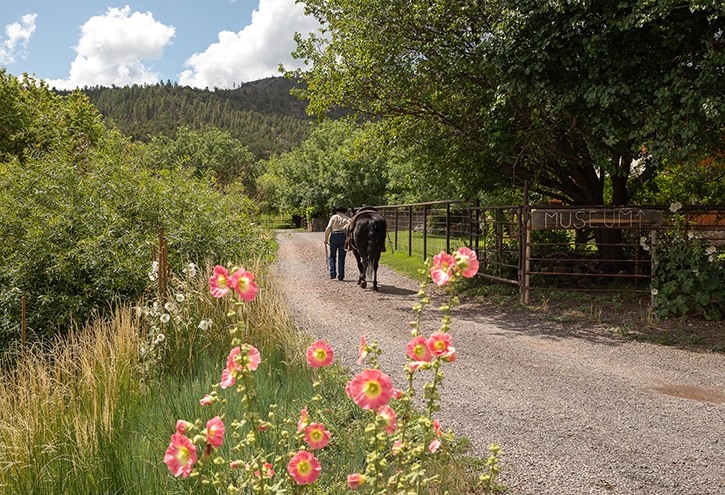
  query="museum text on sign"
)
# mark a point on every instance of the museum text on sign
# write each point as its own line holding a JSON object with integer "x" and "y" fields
{"x": 595, "y": 218}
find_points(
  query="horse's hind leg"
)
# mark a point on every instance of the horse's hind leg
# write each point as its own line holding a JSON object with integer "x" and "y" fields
{"x": 375, "y": 275}
{"x": 361, "y": 268}
{"x": 363, "y": 283}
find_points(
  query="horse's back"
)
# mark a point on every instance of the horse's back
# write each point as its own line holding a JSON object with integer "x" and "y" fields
{"x": 368, "y": 225}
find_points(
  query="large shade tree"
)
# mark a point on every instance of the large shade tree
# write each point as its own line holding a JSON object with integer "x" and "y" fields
{"x": 587, "y": 99}
{"x": 339, "y": 164}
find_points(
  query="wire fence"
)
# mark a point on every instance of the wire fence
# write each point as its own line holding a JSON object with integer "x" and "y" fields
{"x": 592, "y": 249}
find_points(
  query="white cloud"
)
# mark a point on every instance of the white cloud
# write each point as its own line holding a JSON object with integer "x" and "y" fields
{"x": 18, "y": 34}
{"x": 111, "y": 48}
{"x": 254, "y": 52}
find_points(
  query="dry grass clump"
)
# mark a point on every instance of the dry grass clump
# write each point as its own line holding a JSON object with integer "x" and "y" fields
{"x": 58, "y": 399}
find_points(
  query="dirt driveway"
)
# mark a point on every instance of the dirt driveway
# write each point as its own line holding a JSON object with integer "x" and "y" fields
{"x": 576, "y": 411}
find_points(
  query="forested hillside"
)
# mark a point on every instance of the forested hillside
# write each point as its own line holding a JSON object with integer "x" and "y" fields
{"x": 261, "y": 114}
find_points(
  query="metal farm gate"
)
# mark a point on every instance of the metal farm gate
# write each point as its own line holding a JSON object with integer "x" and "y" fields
{"x": 548, "y": 247}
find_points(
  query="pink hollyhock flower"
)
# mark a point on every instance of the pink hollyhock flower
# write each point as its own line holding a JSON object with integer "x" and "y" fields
{"x": 389, "y": 417}
{"x": 219, "y": 283}
{"x": 206, "y": 400}
{"x": 436, "y": 443}
{"x": 236, "y": 464}
{"x": 442, "y": 268}
{"x": 363, "y": 352}
{"x": 439, "y": 343}
{"x": 417, "y": 349}
{"x": 418, "y": 365}
{"x": 304, "y": 420}
{"x": 268, "y": 471}
{"x": 253, "y": 358}
{"x": 397, "y": 394}
{"x": 467, "y": 262}
{"x": 243, "y": 283}
{"x": 250, "y": 361}
{"x": 182, "y": 427}
{"x": 355, "y": 480}
{"x": 450, "y": 355}
{"x": 228, "y": 377}
{"x": 215, "y": 432}
{"x": 397, "y": 446}
{"x": 304, "y": 468}
{"x": 316, "y": 436}
{"x": 319, "y": 354}
{"x": 180, "y": 456}
{"x": 348, "y": 391}
{"x": 371, "y": 389}
{"x": 437, "y": 428}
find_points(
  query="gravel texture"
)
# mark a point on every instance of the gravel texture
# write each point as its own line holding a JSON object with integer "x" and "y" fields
{"x": 575, "y": 410}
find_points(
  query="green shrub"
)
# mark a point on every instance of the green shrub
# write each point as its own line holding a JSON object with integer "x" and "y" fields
{"x": 81, "y": 208}
{"x": 78, "y": 240}
{"x": 689, "y": 275}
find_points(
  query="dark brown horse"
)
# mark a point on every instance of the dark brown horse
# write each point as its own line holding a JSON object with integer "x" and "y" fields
{"x": 366, "y": 236}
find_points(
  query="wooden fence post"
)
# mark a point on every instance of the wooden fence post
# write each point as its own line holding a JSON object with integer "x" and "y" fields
{"x": 163, "y": 266}
{"x": 23, "y": 326}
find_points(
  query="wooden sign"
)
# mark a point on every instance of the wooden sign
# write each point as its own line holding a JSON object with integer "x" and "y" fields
{"x": 595, "y": 218}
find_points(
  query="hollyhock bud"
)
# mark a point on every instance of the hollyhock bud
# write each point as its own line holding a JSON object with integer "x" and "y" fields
{"x": 355, "y": 480}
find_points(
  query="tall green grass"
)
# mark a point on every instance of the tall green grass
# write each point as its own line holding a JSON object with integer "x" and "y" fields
{"x": 84, "y": 417}
{"x": 77, "y": 417}
{"x": 61, "y": 405}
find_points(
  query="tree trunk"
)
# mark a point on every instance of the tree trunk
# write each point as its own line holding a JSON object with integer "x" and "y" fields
{"x": 609, "y": 247}
{"x": 591, "y": 185}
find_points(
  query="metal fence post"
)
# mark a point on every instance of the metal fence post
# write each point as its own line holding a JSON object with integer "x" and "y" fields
{"x": 425, "y": 231}
{"x": 448, "y": 227}
{"x": 475, "y": 227}
{"x": 525, "y": 277}
{"x": 653, "y": 266}
{"x": 410, "y": 231}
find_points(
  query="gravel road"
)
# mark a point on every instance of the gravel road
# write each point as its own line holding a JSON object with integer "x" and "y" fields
{"x": 575, "y": 410}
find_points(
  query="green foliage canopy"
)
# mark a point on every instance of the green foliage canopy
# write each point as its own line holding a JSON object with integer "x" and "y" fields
{"x": 81, "y": 208}
{"x": 340, "y": 163}
{"x": 211, "y": 152}
{"x": 589, "y": 100}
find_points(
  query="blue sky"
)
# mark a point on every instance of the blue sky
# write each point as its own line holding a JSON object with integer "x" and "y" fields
{"x": 200, "y": 43}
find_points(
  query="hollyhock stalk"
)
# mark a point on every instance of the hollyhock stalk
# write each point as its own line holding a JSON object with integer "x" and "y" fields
{"x": 376, "y": 458}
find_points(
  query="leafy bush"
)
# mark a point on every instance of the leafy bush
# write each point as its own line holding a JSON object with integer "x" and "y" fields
{"x": 81, "y": 209}
{"x": 76, "y": 241}
{"x": 689, "y": 275}
{"x": 209, "y": 152}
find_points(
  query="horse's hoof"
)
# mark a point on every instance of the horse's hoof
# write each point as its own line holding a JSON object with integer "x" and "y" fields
{"x": 363, "y": 284}
{"x": 375, "y": 288}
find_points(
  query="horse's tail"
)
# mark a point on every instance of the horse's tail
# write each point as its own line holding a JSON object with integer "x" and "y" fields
{"x": 376, "y": 242}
